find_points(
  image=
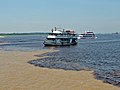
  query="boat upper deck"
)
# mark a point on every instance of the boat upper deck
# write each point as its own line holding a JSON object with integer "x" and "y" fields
{"x": 58, "y": 33}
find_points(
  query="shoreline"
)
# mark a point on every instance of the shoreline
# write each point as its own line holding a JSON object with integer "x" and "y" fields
{"x": 1, "y": 36}
{"x": 16, "y": 74}
{"x": 2, "y": 43}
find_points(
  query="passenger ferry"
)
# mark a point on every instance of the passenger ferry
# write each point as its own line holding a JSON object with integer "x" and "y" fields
{"x": 61, "y": 37}
{"x": 87, "y": 35}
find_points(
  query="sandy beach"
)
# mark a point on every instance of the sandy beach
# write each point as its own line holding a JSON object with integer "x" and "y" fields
{"x": 1, "y": 36}
{"x": 17, "y": 74}
{"x": 2, "y": 43}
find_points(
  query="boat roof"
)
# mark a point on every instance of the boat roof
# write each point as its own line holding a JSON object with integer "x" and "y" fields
{"x": 57, "y": 32}
{"x": 87, "y": 32}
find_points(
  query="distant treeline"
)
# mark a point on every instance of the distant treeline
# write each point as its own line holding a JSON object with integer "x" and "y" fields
{"x": 5, "y": 34}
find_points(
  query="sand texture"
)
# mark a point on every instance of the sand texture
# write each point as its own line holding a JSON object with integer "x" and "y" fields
{"x": 17, "y": 74}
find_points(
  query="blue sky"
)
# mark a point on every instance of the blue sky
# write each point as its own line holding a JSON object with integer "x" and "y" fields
{"x": 100, "y": 16}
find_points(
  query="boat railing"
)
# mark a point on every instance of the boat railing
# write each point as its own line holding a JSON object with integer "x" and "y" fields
{"x": 64, "y": 36}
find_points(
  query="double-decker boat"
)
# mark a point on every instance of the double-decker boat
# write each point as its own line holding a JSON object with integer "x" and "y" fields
{"x": 87, "y": 35}
{"x": 61, "y": 37}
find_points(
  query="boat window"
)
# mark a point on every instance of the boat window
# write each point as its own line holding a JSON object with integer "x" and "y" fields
{"x": 50, "y": 39}
{"x": 53, "y": 34}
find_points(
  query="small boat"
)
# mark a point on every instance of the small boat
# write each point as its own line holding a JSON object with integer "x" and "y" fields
{"x": 61, "y": 37}
{"x": 87, "y": 35}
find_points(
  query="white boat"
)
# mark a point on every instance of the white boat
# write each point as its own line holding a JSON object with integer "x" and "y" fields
{"x": 61, "y": 37}
{"x": 87, "y": 35}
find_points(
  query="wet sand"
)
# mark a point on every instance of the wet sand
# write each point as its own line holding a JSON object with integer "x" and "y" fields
{"x": 1, "y": 36}
{"x": 2, "y": 43}
{"x": 17, "y": 74}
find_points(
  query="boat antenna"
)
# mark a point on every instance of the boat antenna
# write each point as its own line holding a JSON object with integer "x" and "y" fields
{"x": 55, "y": 28}
{"x": 52, "y": 30}
{"x": 63, "y": 30}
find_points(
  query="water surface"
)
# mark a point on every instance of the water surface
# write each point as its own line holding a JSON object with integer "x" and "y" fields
{"x": 101, "y": 55}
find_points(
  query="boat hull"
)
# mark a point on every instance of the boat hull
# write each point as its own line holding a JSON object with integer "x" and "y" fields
{"x": 68, "y": 44}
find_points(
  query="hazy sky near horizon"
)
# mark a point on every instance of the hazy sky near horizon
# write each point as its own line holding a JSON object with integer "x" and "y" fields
{"x": 100, "y": 16}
